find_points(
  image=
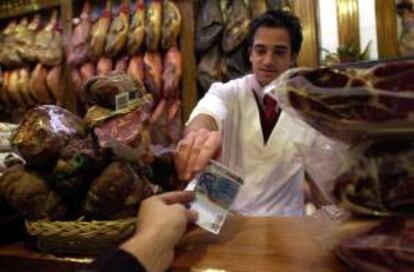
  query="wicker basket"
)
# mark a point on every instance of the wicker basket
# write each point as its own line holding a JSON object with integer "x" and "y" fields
{"x": 79, "y": 237}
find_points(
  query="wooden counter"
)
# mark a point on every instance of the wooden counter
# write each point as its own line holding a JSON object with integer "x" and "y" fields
{"x": 245, "y": 244}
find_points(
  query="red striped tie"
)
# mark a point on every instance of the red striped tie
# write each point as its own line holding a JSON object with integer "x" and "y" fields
{"x": 270, "y": 114}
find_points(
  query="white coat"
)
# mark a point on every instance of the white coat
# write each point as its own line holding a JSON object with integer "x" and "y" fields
{"x": 273, "y": 172}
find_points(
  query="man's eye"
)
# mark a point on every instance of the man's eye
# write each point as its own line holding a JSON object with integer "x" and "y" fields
{"x": 261, "y": 51}
{"x": 279, "y": 52}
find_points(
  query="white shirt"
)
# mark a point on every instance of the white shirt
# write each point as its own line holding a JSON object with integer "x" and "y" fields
{"x": 272, "y": 172}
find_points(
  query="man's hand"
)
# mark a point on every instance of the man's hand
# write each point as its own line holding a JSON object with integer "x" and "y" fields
{"x": 194, "y": 152}
{"x": 161, "y": 222}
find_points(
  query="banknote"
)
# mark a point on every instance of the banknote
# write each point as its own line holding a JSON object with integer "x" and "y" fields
{"x": 215, "y": 191}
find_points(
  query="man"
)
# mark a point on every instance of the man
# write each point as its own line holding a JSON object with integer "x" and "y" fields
{"x": 232, "y": 119}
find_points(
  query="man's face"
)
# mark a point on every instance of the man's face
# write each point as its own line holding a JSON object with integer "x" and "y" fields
{"x": 271, "y": 53}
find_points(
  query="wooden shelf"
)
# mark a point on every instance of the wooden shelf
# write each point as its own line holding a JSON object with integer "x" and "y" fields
{"x": 10, "y": 8}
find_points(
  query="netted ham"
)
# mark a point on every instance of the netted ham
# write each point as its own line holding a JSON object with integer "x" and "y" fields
{"x": 210, "y": 24}
{"x": 172, "y": 73}
{"x": 79, "y": 42}
{"x": 49, "y": 44}
{"x": 237, "y": 27}
{"x": 352, "y": 104}
{"x": 257, "y": 7}
{"x": 98, "y": 33}
{"x": 137, "y": 30}
{"x": 153, "y": 18}
{"x": 153, "y": 73}
{"x": 116, "y": 39}
{"x": 171, "y": 24}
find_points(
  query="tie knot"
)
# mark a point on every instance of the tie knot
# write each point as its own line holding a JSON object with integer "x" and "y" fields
{"x": 269, "y": 102}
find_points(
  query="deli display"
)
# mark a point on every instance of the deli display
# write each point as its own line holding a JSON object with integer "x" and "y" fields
{"x": 73, "y": 178}
{"x": 371, "y": 111}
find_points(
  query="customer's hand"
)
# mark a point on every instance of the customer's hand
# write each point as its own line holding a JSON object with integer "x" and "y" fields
{"x": 162, "y": 221}
{"x": 194, "y": 152}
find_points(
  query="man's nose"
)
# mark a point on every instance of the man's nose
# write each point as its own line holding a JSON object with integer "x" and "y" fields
{"x": 268, "y": 59}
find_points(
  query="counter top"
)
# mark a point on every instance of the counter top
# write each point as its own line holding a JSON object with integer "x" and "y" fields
{"x": 244, "y": 244}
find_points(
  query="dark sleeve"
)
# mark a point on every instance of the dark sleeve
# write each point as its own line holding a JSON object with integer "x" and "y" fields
{"x": 116, "y": 261}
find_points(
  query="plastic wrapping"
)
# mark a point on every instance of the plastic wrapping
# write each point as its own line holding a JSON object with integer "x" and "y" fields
{"x": 387, "y": 247}
{"x": 366, "y": 160}
{"x": 379, "y": 180}
{"x": 351, "y": 105}
{"x": 43, "y": 131}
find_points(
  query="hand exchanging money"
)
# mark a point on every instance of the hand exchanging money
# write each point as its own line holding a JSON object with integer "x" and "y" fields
{"x": 194, "y": 152}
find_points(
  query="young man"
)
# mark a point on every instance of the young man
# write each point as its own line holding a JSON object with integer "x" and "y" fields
{"x": 235, "y": 119}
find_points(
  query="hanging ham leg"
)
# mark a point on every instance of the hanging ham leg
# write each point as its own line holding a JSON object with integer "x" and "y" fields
{"x": 4, "y": 96}
{"x": 257, "y": 7}
{"x": 238, "y": 63}
{"x": 77, "y": 83}
{"x": 118, "y": 31}
{"x": 104, "y": 66}
{"x": 237, "y": 27}
{"x": 174, "y": 124}
{"x": 10, "y": 56}
{"x": 153, "y": 18}
{"x": 87, "y": 71}
{"x": 79, "y": 42}
{"x": 210, "y": 24}
{"x": 275, "y": 4}
{"x": 98, "y": 33}
{"x": 157, "y": 121}
{"x": 55, "y": 84}
{"x": 152, "y": 73}
{"x": 136, "y": 68}
{"x": 24, "y": 79}
{"x": 20, "y": 37}
{"x": 13, "y": 89}
{"x": 137, "y": 32}
{"x": 209, "y": 68}
{"x": 172, "y": 72}
{"x": 38, "y": 85}
{"x": 26, "y": 49}
{"x": 121, "y": 65}
{"x": 171, "y": 24}
{"x": 48, "y": 43}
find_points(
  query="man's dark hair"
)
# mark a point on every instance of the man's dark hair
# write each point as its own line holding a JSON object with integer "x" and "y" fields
{"x": 280, "y": 19}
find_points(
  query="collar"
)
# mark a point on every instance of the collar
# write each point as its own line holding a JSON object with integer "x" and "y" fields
{"x": 255, "y": 86}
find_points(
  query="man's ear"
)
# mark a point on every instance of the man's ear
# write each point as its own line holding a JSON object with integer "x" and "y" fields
{"x": 250, "y": 53}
